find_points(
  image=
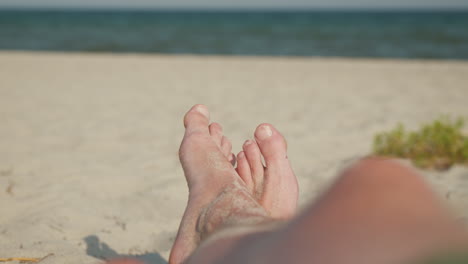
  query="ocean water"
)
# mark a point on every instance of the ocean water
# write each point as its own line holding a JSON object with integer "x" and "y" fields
{"x": 428, "y": 34}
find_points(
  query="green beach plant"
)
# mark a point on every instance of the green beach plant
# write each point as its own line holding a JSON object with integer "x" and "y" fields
{"x": 437, "y": 145}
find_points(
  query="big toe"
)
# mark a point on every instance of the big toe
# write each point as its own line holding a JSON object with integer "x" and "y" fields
{"x": 197, "y": 119}
{"x": 271, "y": 143}
{"x": 280, "y": 189}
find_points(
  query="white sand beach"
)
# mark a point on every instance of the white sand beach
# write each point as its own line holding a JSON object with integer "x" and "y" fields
{"x": 88, "y": 142}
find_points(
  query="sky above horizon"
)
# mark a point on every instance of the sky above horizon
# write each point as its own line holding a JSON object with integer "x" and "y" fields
{"x": 236, "y": 4}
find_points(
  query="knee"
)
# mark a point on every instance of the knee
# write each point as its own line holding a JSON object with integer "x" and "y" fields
{"x": 382, "y": 171}
{"x": 375, "y": 163}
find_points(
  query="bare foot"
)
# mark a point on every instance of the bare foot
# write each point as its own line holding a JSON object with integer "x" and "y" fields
{"x": 218, "y": 196}
{"x": 274, "y": 185}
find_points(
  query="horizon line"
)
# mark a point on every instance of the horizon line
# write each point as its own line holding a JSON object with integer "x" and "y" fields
{"x": 229, "y": 9}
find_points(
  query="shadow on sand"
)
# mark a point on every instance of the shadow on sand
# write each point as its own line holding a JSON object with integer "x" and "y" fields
{"x": 101, "y": 250}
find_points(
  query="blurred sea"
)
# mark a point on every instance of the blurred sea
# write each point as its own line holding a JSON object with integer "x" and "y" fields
{"x": 396, "y": 34}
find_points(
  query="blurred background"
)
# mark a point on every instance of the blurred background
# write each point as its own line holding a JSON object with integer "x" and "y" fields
{"x": 92, "y": 95}
{"x": 359, "y": 28}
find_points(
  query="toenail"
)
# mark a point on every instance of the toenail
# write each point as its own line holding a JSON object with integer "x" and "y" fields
{"x": 203, "y": 110}
{"x": 241, "y": 155}
{"x": 248, "y": 142}
{"x": 264, "y": 132}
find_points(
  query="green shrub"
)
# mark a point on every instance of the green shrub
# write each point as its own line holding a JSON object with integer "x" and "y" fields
{"x": 448, "y": 258}
{"x": 437, "y": 145}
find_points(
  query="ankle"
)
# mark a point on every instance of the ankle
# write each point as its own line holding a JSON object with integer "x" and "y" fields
{"x": 234, "y": 206}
